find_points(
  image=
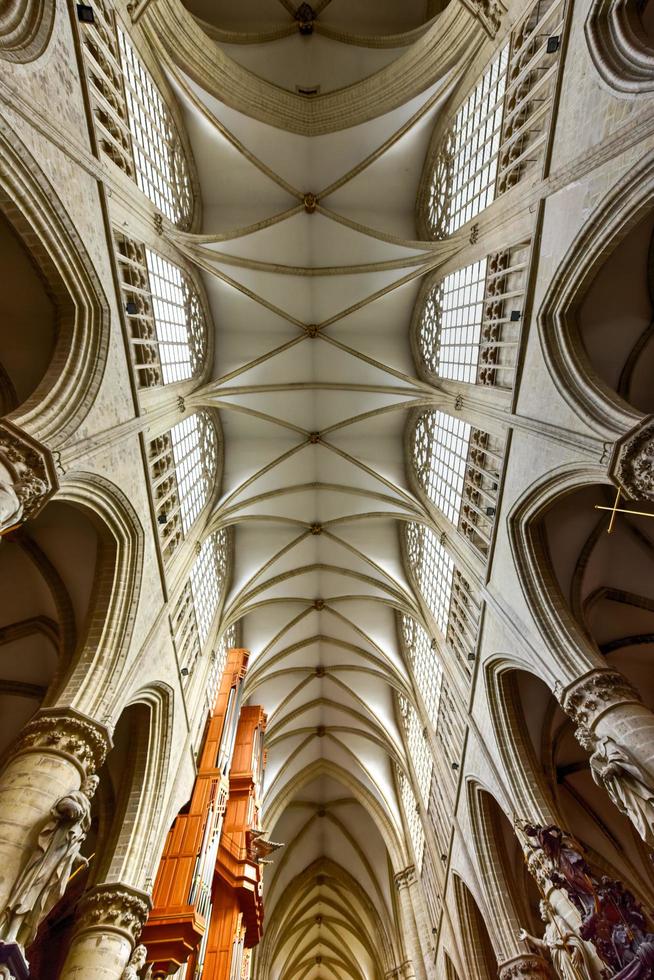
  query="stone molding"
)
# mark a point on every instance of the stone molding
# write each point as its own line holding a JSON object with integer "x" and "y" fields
{"x": 587, "y": 699}
{"x": 114, "y": 908}
{"x": 31, "y": 468}
{"x": 619, "y": 47}
{"x": 525, "y": 967}
{"x": 632, "y": 463}
{"x": 25, "y": 29}
{"x": 67, "y": 732}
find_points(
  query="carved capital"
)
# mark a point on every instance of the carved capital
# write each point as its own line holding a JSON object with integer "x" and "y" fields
{"x": 406, "y": 877}
{"x": 589, "y": 698}
{"x": 27, "y": 476}
{"x": 632, "y": 463}
{"x": 114, "y": 908}
{"x": 526, "y": 967}
{"x": 67, "y": 732}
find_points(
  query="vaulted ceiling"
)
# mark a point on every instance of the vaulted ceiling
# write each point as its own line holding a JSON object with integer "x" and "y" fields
{"x": 314, "y": 379}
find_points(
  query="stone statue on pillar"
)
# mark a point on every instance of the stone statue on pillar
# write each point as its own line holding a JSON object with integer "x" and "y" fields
{"x": 613, "y": 770}
{"x": 43, "y": 880}
{"x": 135, "y": 969}
{"x": 560, "y": 945}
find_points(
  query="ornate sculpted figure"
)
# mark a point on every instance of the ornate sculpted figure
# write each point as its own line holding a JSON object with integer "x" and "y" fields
{"x": 612, "y": 769}
{"x": 43, "y": 880}
{"x": 566, "y": 951}
{"x": 12, "y": 496}
{"x": 135, "y": 967}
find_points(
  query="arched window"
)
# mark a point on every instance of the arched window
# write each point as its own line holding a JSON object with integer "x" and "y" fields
{"x": 183, "y": 464}
{"x": 469, "y": 326}
{"x": 501, "y": 132}
{"x": 451, "y": 599}
{"x": 417, "y": 746}
{"x": 166, "y": 321}
{"x": 134, "y": 126}
{"x": 458, "y": 467}
{"x": 195, "y": 610}
{"x": 412, "y": 815}
{"x": 427, "y": 671}
{"x": 463, "y": 181}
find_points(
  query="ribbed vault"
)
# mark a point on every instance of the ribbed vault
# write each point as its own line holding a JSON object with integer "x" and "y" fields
{"x": 314, "y": 379}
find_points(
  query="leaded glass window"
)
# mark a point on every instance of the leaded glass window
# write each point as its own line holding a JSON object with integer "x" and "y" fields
{"x": 166, "y": 322}
{"x": 133, "y": 125}
{"x": 459, "y": 467}
{"x": 427, "y": 671}
{"x": 183, "y": 464}
{"x": 463, "y": 182}
{"x": 412, "y": 815}
{"x": 161, "y": 168}
{"x": 441, "y": 451}
{"x": 450, "y": 326}
{"x": 448, "y": 594}
{"x": 417, "y": 746}
{"x": 195, "y": 610}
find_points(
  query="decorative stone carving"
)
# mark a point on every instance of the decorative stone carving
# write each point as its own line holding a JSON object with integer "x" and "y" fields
{"x": 489, "y": 12}
{"x": 611, "y": 917}
{"x": 527, "y": 967}
{"x": 632, "y": 463}
{"x": 136, "y": 968}
{"x": 27, "y": 476}
{"x": 568, "y": 953}
{"x": 623, "y": 780}
{"x": 70, "y": 733}
{"x": 43, "y": 880}
{"x": 406, "y": 877}
{"x": 115, "y": 907}
{"x": 594, "y": 694}
{"x": 13, "y": 965}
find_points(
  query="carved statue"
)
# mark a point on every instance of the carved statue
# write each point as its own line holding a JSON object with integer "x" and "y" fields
{"x": 12, "y": 499}
{"x": 133, "y": 970}
{"x": 623, "y": 781}
{"x": 611, "y": 917}
{"x": 561, "y": 946}
{"x": 43, "y": 880}
{"x": 5, "y": 972}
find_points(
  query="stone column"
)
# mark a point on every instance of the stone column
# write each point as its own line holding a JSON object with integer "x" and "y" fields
{"x": 525, "y": 967}
{"x": 618, "y": 730}
{"x": 109, "y": 921}
{"x": 56, "y": 753}
{"x": 404, "y": 880}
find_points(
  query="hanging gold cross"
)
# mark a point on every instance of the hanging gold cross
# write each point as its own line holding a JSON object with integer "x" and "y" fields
{"x": 615, "y": 510}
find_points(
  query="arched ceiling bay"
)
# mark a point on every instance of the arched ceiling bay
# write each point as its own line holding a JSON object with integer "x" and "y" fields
{"x": 314, "y": 380}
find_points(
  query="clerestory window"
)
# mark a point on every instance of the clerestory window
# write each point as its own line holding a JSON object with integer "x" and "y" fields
{"x": 183, "y": 464}
{"x": 195, "y": 610}
{"x": 463, "y": 181}
{"x": 412, "y": 815}
{"x": 133, "y": 124}
{"x": 458, "y": 466}
{"x": 426, "y": 669}
{"x": 448, "y": 594}
{"x": 469, "y": 326}
{"x": 417, "y": 747}
{"x": 165, "y": 318}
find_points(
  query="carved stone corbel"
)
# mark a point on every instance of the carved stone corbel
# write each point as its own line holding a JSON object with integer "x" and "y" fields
{"x": 632, "y": 462}
{"x": 525, "y": 967}
{"x": 27, "y": 476}
{"x": 405, "y": 878}
{"x": 587, "y": 699}
{"x": 115, "y": 908}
